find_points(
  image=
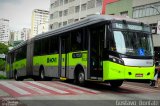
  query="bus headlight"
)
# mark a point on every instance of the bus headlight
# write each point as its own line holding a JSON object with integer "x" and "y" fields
{"x": 116, "y": 60}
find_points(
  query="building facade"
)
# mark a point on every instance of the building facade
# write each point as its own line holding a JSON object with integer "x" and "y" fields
{"x": 120, "y": 7}
{"x": 38, "y": 17}
{"x": 25, "y": 34}
{"x": 63, "y": 12}
{"x": 149, "y": 12}
{"x": 43, "y": 28}
{"x": 4, "y": 31}
{"x": 17, "y": 35}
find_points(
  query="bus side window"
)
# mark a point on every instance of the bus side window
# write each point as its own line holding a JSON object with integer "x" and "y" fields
{"x": 76, "y": 40}
{"x": 37, "y": 48}
{"x": 53, "y": 45}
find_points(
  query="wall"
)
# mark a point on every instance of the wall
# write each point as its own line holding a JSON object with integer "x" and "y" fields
{"x": 120, "y": 6}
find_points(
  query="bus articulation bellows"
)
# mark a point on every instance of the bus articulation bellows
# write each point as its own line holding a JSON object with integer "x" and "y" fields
{"x": 102, "y": 48}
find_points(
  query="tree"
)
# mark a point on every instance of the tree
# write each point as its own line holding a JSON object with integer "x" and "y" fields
{"x": 2, "y": 65}
{"x": 3, "y": 50}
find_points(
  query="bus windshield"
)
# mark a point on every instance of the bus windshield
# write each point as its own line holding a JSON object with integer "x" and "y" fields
{"x": 133, "y": 43}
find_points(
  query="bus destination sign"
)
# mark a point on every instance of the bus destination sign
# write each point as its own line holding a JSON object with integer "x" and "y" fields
{"x": 131, "y": 27}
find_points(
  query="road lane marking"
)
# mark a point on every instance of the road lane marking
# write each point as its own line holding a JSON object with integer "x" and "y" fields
{"x": 14, "y": 88}
{"x": 78, "y": 87}
{"x": 40, "y": 91}
{"x": 65, "y": 87}
{"x": 48, "y": 87}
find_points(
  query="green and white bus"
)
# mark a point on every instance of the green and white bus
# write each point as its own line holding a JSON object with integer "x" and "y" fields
{"x": 101, "y": 48}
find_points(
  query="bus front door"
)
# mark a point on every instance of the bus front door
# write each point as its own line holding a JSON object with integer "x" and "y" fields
{"x": 96, "y": 49}
{"x": 63, "y": 69}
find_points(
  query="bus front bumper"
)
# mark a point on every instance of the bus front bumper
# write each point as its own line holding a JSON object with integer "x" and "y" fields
{"x": 114, "y": 71}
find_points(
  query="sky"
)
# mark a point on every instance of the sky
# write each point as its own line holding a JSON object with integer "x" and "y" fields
{"x": 19, "y": 12}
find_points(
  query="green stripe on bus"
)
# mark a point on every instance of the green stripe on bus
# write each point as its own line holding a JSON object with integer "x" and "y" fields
{"x": 19, "y": 64}
{"x": 47, "y": 60}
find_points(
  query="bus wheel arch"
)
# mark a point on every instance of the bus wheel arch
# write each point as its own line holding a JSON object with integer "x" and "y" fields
{"x": 79, "y": 74}
{"x": 116, "y": 83}
{"x": 41, "y": 72}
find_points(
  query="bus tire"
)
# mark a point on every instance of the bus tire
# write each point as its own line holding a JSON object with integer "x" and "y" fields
{"x": 42, "y": 75}
{"x": 15, "y": 75}
{"x": 116, "y": 83}
{"x": 80, "y": 78}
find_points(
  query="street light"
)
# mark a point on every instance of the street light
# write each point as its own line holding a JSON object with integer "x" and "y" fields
{"x": 156, "y": 9}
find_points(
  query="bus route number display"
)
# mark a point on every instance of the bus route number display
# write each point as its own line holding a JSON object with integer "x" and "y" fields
{"x": 128, "y": 26}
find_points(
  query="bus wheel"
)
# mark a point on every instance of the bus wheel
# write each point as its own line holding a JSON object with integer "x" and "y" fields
{"x": 116, "y": 83}
{"x": 81, "y": 78}
{"x": 15, "y": 76}
{"x": 42, "y": 75}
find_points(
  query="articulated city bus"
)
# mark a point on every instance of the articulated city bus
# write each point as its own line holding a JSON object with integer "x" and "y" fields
{"x": 101, "y": 48}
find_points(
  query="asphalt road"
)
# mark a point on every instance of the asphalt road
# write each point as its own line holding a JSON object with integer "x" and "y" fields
{"x": 58, "y": 93}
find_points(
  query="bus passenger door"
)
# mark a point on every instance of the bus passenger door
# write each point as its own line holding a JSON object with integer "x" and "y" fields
{"x": 96, "y": 50}
{"x": 63, "y": 53}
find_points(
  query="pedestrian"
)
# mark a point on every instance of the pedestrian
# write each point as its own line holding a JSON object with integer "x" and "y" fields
{"x": 154, "y": 82}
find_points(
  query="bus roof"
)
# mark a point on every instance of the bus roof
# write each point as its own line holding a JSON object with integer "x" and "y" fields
{"x": 84, "y": 22}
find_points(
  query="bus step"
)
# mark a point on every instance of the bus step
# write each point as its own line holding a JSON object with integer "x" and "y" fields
{"x": 63, "y": 78}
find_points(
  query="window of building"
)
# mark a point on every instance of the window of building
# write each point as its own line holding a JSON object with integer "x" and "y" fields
{"x": 71, "y": 1}
{"x": 77, "y": 9}
{"x": 65, "y": 1}
{"x": 146, "y": 10}
{"x": 55, "y": 25}
{"x": 60, "y": 13}
{"x": 56, "y": 3}
{"x": 140, "y": 13}
{"x": 70, "y": 21}
{"x": 51, "y": 16}
{"x": 60, "y": 24}
{"x": 158, "y": 7}
{"x": 151, "y": 11}
{"x": 83, "y": 7}
{"x": 76, "y": 20}
{"x": 82, "y": 18}
{"x": 90, "y": 4}
{"x": 65, "y": 13}
{"x": 71, "y": 10}
{"x": 52, "y": 5}
{"x": 125, "y": 13}
{"x": 60, "y": 2}
{"x": 98, "y": 3}
{"x": 64, "y": 23}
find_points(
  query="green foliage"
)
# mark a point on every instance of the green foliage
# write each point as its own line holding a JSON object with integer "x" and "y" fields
{"x": 3, "y": 77}
{"x": 3, "y": 48}
{"x": 2, "y": 65}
